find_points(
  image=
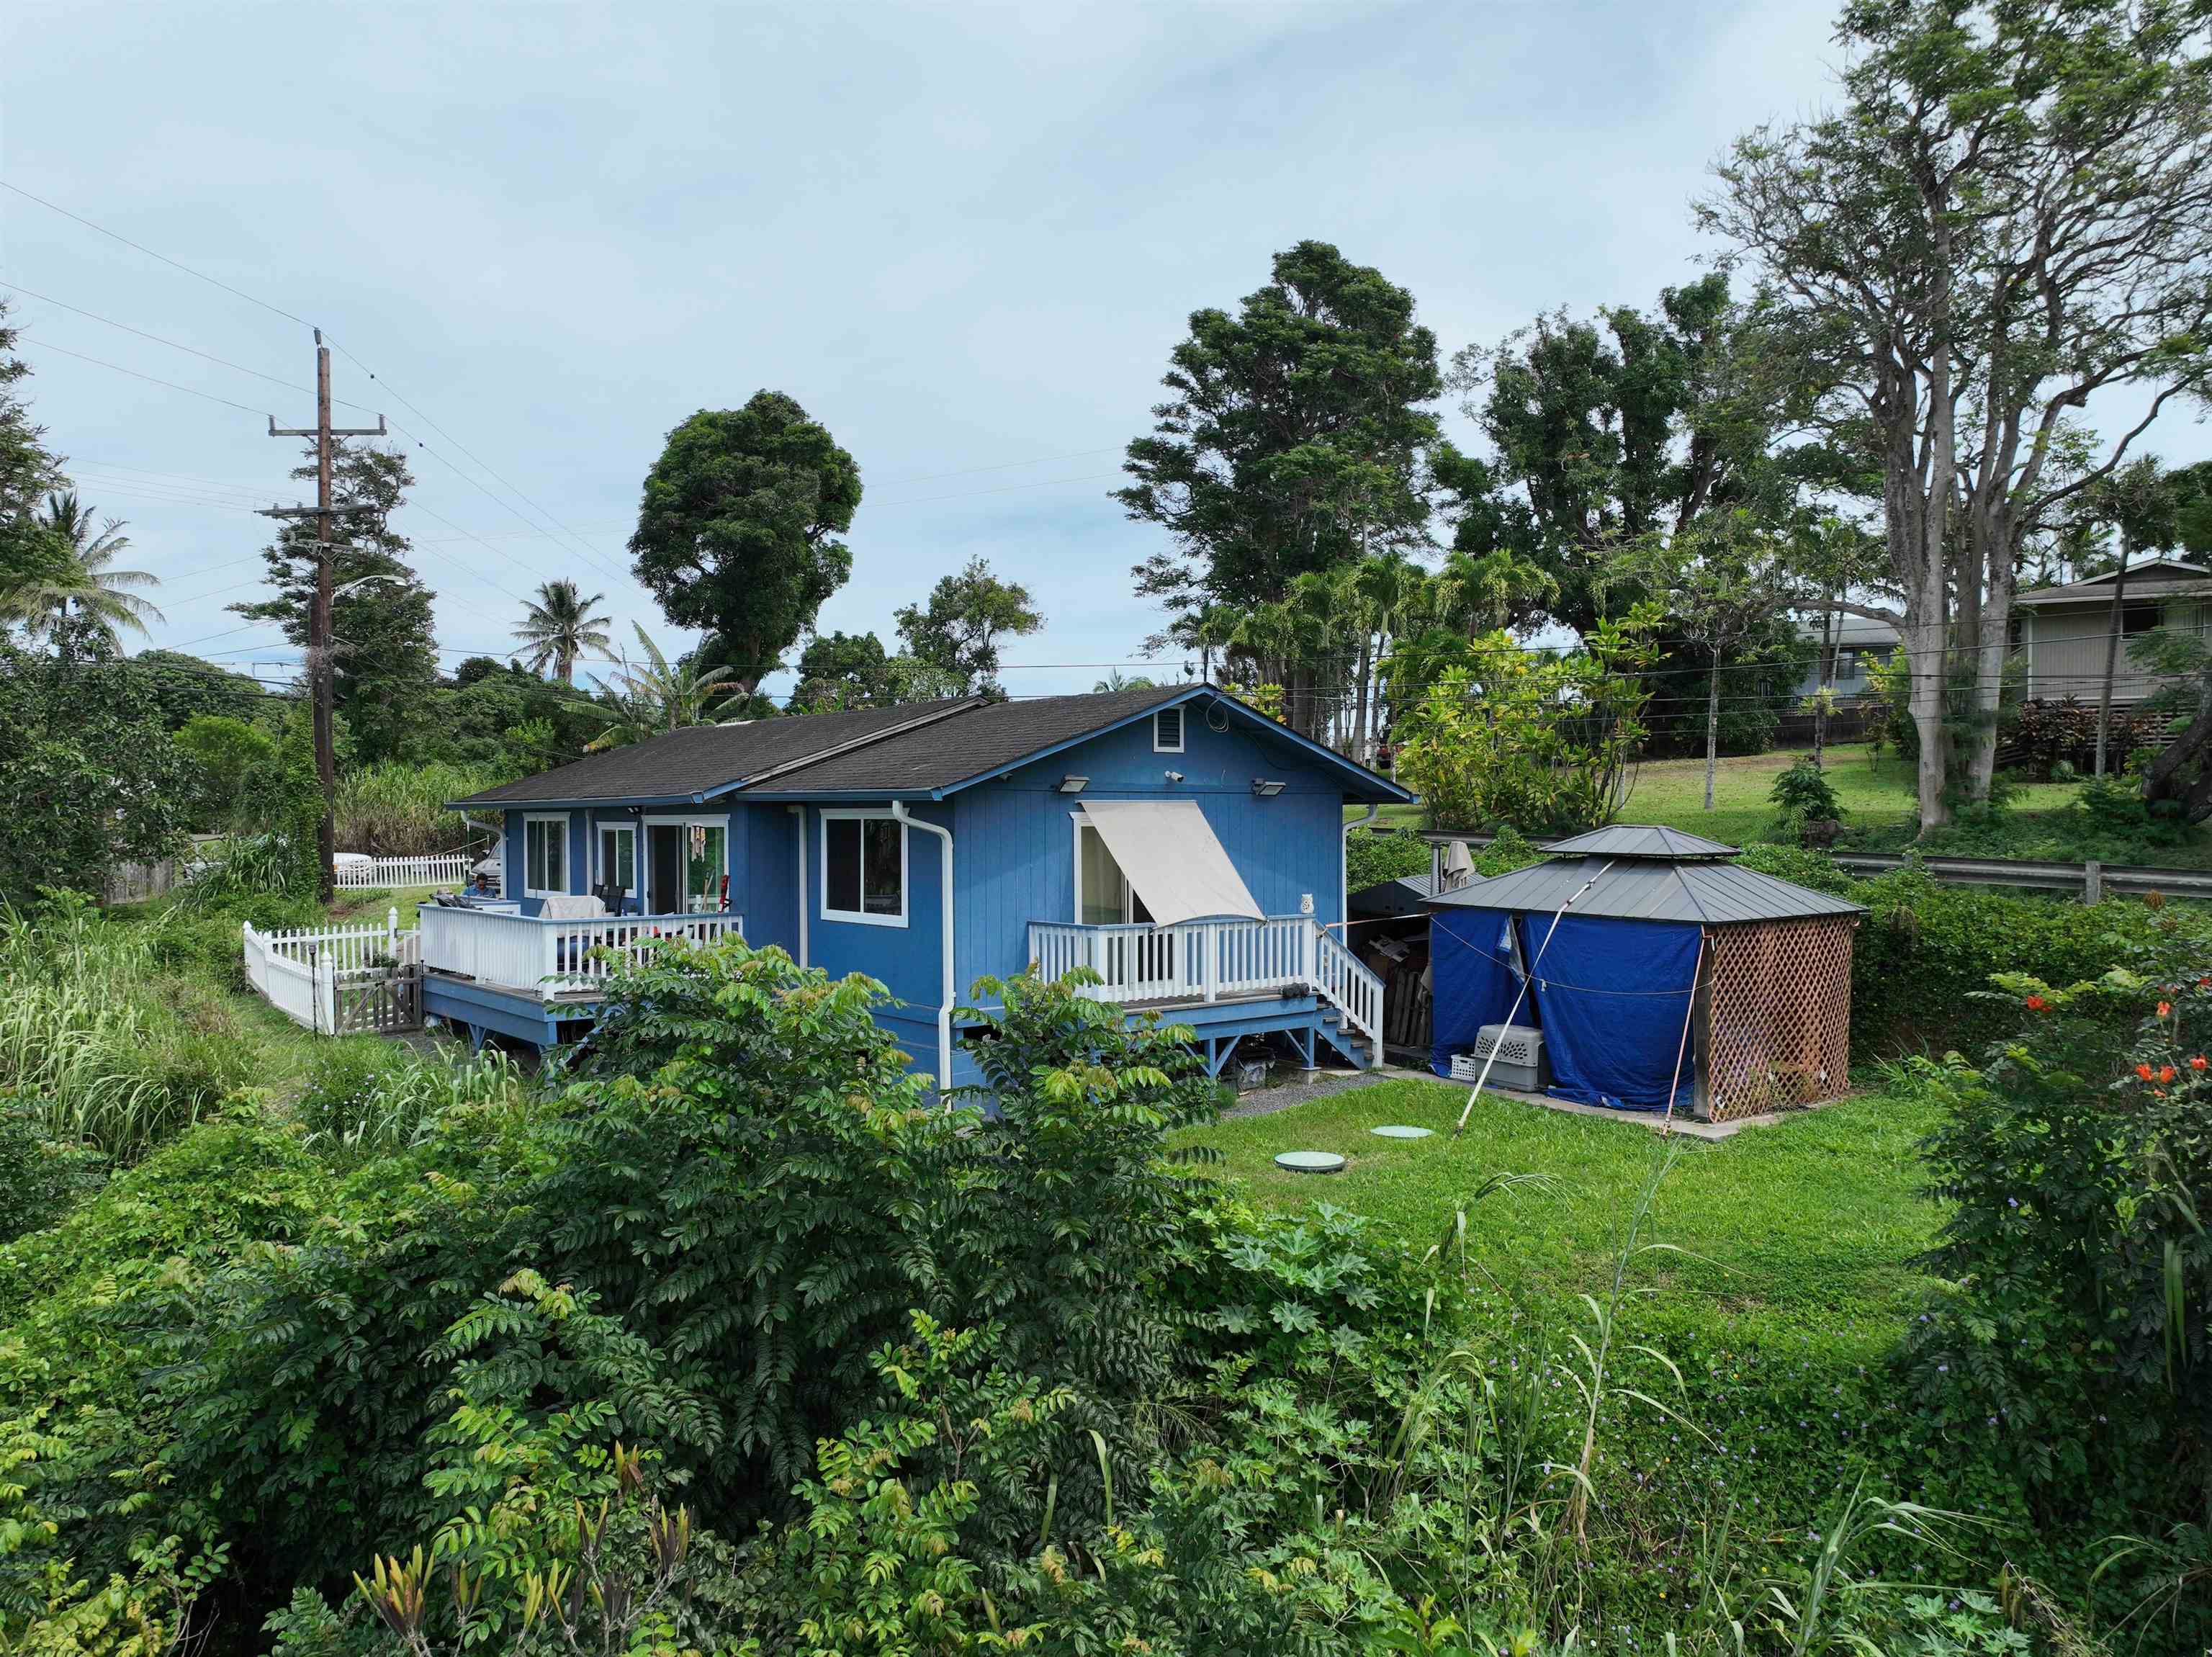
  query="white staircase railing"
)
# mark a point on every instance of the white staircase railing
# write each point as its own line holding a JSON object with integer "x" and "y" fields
{"x": 1206, "y": 960}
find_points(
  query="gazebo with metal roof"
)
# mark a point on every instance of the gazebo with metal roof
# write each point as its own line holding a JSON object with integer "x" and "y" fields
{"x": 1661, "y": 972}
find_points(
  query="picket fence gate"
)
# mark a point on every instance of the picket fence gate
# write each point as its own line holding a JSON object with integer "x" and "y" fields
{"x": 340, "y": 980}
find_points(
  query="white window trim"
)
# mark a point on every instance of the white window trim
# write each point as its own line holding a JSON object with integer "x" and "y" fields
{"x": 1181, "y": 711}
{"x": 695, "y": 820}
{"x": 603, "y": 826}
{"x": 831, "y": 813}
{"x": 561, "y": 818}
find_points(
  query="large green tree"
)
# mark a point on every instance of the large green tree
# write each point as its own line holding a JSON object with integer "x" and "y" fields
{"x": 1601, "y": 431}
{"x": 959, "y": 630}
{"x": 841, "y": 671}
{"x": 2011, "y": 214}
{"x": 1293, "y": 439}
{"x": 385, "y": 650}
{"x": 737, "y": 534}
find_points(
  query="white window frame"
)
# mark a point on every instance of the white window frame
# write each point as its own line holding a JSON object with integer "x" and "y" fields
{"x": 645, "y": 850}
{"x": 829, "y": 814}
{"x": 1182, "y": 728}
{"x": 603, "y": 826}
{"x": 561, "y": 818}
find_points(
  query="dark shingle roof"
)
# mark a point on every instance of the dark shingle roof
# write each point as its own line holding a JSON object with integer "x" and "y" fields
{"x": 701, "y": 758}
{"x": 1646, "y": 889}
{"x": 919, "y": 748}
{"x": 1639, "y": 840}
{"x": 998, "y": 733}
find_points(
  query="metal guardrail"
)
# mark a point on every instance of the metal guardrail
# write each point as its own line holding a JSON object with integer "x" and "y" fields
{"x": 2092, "y": 880}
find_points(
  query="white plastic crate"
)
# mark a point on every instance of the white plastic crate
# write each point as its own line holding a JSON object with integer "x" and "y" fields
{"x": 1520, "y": 1064}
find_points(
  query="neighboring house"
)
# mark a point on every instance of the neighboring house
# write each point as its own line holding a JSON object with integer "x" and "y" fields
{"x": 1862, "y": 645}
{"x": 1187, "y": 848}
{"x": 2061, "y": 633}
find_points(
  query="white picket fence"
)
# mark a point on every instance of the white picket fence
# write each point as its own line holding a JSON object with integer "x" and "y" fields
{"x": 548, "y": 958}
{"x": 451, "y": 868}
{"x": 306, "y": 973}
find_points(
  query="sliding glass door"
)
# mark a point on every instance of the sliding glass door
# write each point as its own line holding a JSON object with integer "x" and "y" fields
{"x": 686, "y": 867}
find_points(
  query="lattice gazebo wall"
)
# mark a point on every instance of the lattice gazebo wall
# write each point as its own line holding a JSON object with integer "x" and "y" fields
{"x": 1775, "y": 1000}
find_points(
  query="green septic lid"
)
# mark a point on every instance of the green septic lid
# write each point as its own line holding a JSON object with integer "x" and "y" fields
{"x": 1310, "y": 1162}
{"x": 1401, "y": 1133}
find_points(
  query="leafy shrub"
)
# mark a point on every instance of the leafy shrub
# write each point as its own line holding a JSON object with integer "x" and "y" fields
{"x": 1802, "y": 794}
{"x": 2078, "y": 1166}
{"x": 1925, "y": 952}
{"x": 44, "y": 1178}
{"x": 1369, "y": 858}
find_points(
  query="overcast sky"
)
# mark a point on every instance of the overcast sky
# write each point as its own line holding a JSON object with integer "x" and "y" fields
{"x": 964, "y": 238}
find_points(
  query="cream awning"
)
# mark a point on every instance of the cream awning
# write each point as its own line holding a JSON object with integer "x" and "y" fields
{"x": 1168, "y": 852}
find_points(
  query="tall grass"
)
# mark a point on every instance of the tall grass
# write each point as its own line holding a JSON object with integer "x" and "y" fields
{"x": 367, "y": 1097}
{"x": 91, "y": 1045}
{"x": 396, "y": 809}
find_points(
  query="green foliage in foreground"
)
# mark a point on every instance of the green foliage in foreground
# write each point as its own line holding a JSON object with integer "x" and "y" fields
{"x": 722, "y": 1336}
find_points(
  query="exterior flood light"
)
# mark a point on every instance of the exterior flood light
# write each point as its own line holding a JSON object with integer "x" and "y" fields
{"x": 1073, "y": 784}
{"x": 1265, "y": 789}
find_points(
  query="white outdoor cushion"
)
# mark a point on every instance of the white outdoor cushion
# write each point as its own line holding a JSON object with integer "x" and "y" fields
{"x": 573, "y": 906}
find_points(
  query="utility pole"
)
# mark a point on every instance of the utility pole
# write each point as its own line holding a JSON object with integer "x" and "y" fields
{"x": 320, "y": 677}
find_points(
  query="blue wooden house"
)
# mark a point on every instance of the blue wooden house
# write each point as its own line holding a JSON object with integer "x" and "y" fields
{"x": 1184, "y": 847}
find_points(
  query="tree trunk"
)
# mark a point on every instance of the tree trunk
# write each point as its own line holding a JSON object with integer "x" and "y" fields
{"x": 1712, "y": 727}
{"x": 1922, "y": 639}
{"x": 1358, "y": 745}
{"x": 2111, "y": 654}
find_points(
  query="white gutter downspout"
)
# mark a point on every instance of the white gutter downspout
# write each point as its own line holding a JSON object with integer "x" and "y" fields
{"x": 798, "y": 812}
{"x": 944, "y": 1006}
{"x": 1344, "y": 870}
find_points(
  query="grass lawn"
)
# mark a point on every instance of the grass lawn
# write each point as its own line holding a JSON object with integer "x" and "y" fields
{"x": 1875, "y": 794}
{"x": 1807, "y": 1224}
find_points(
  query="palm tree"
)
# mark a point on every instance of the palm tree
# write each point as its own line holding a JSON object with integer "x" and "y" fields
{"x": 651, "y": 699}
{"x": 560, "y": 627}
{"x": 82, "y": 574}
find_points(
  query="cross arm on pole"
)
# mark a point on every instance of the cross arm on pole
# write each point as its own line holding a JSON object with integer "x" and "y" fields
{"x": 376, "y": 430}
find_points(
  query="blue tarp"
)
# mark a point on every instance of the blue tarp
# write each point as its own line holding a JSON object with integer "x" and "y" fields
{"x": 1470, "y": 983}
{"x": 1613, "y": 997}
{"x": 1610, "y": 997}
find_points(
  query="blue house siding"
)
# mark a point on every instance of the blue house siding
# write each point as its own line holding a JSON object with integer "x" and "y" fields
{"x": 1015, "y": 852}
{"x": 1013, "y": 858}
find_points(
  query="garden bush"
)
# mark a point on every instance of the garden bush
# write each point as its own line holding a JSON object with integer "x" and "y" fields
{"x": 1370, "y": 857}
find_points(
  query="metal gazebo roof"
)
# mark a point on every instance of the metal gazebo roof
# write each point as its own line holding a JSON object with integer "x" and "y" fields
{"x": 1630, "y": 879}
{"x": 1639, "y": 840}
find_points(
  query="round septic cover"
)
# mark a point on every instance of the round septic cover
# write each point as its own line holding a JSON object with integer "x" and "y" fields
{"x": 1310, "y": 1162}
{"x": 1401, "y": 1133}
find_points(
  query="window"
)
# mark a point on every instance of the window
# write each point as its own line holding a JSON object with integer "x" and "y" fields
{"x": 2136, "y": 618}
{"x": 863, "y": 868}
{"x": 546, "y": 855}
{"x": 617, "y": 870}
{"x": 1167, "y": 731}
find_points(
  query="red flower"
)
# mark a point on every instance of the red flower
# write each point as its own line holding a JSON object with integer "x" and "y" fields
{"x": 2143, "y": 1070}
{"x": 2164, "y": 1007}
{"x": 2197, "y": 1063}
{"x": 2035, "y": 1004}
{"x": 2165, "y": 1073}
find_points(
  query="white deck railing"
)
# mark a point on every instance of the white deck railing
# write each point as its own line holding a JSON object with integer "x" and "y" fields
{"x": 548, "y": 958}
{"x": 451, "y": 869}
{"x": 1207, "y": 960}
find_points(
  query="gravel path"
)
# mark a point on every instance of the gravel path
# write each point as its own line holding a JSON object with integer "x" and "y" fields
{"x": 1265, "y": 1101}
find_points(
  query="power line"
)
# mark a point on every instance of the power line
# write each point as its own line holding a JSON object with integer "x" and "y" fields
{"x": 178, "y": 265}
{"x": 101, "y": 363}
{"x": 173, "y": 345}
